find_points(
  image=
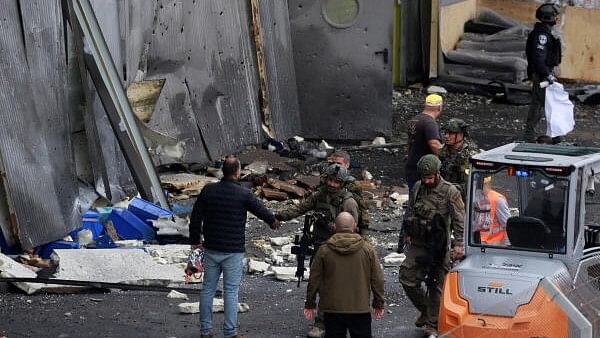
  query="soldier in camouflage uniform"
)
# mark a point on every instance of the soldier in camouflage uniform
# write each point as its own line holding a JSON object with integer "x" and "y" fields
{"x": 329, "y": 200}
{"x": 455, "y": 154}
{"x": 432, "y": 195}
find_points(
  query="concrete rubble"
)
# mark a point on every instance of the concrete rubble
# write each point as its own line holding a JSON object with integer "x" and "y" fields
{"x": 11, "y": 268}
{"x": 255, "y": 266}
{"x": 218, "y": 306}
{"x": 394, "y": 259}
{"x": 129, "y": 266}
{"x": 287, "y": 273}
{"x": 280, "y": 241}
{"x": 177, "y": 295}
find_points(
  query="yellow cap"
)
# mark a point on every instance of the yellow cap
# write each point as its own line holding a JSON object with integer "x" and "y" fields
{"x": 433, "y": 100}
{"x": 487, "y": 180}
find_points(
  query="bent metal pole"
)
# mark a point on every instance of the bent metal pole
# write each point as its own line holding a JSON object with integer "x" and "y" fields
{"x": 96, "y": 44}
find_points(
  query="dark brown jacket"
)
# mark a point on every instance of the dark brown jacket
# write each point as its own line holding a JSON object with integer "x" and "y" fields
{"x": 344, "y": 272}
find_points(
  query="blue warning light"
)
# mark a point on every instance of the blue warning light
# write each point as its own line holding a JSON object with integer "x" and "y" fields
{"x": 522, "y": 173}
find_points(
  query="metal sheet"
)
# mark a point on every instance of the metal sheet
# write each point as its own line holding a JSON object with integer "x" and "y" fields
{"x": 139, "y": 18}
{"x": 173, "y": 115}
{"x": 120, "y": 182}
{"x": 221, "y": 74}
{"x": 28, "y": 164}
{"x": 46, "y": 58}
{"x": 279, "y": 73}
{"x": 344, "y": 87}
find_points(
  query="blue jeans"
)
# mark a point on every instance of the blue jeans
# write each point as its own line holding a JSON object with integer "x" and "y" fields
{"x": 231, "y": 265}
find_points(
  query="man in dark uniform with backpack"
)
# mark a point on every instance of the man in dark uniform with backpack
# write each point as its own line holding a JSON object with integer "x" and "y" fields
{"x": 543, "y": 51}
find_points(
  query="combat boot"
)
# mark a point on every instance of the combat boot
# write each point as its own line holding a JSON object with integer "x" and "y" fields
{"x": 421, "y": 321}
{"x": 430, "y": 331}
{"x": 315, "y": 332}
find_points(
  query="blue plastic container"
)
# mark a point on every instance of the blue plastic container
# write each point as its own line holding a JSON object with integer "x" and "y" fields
{"x": 48, "y": 248}
{"x": 104, "y": 214}
{"x": 91, "y": 221}
{"x": 147, "y": 211}
{"x": 129, "y": 226}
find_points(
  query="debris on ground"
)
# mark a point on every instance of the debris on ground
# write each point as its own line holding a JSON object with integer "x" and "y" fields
{"x": 177, "y": 295}
{"x": 218, "y": 306}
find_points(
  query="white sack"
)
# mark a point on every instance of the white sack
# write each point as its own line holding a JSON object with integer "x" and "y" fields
{"x": 559, "y": 111}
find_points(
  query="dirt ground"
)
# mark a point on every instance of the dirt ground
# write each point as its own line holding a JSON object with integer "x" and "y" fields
{"x": 276, "y": 307}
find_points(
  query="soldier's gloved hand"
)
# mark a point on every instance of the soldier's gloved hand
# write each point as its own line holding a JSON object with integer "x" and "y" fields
{"x": 551, "y": 78}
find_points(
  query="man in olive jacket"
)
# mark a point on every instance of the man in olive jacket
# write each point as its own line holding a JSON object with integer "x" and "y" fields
{"x": 346, "y": 306}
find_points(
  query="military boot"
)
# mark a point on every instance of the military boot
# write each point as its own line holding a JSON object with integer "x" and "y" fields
{"x": 421, "y": 321}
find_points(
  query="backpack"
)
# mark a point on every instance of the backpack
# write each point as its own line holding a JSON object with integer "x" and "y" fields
{"x": 355, "y": 191}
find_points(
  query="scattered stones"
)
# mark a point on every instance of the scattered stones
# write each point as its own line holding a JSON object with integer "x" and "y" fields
{"x": 394, "y": 259}
{"x": 436, "y": 90}
{"x": 258, "y": 167}
{"x": 379, "y": 141}
{"x": 218, "y": 306}
{"x": 257, "y": 266}
{"x": 287, "y": 273}
{"x": 280, "y": 241}
{"x": 177, "y": 295}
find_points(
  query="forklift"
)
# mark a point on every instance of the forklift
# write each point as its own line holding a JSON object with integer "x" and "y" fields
{"x": 540, "y": 277}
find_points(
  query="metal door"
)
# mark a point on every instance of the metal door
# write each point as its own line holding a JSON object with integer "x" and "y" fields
{"x": 342, "y": 57}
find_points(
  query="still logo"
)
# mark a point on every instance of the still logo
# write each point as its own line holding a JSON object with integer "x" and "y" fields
{"x": 494, "y": 287}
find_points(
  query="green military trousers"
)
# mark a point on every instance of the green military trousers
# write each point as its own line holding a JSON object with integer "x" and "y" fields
{"x": 412, "y": 275}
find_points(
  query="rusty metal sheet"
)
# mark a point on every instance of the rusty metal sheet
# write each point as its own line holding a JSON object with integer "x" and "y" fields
{"x": 280, "y": 75}
{"x": 221, "y": 74}
{"x": 342, "y": 57}
{"x": 28, "y": 160}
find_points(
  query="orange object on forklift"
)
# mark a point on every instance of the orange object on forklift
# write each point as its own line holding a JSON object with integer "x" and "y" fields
{"x": 541, "y": 317}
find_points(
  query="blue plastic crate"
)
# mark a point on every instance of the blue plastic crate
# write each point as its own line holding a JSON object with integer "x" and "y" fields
{"x": 147, "y": 211}
{"x": 129, "y": 226}
{"x": 48, "y": 248}
{"x": 90, "y": 220}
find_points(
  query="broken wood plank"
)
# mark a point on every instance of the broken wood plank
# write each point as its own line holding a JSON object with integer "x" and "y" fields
{"x": 185, "y": 181}
{"x": 308, "y": 182}
{"x": 289, "y": 188}
{"x": 374, "y": 146}
{"x": 272, "y": 194}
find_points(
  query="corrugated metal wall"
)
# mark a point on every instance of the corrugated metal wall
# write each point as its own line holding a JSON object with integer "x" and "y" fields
{"x": 209, "y": 104}
{"x": 35, "y": 141}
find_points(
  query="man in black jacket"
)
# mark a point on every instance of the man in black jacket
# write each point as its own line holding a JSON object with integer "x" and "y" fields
{"x": 219, "y": 216}
{"x": 543, "y": 54}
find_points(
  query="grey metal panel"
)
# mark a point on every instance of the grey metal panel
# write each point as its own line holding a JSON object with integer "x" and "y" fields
{"x": 344, "y": 88}
{"x": 139, "y": 23}
{"x": 221, "y": 74}
{"x": 173, "y": 114}
{"x": 46, "y": 57}
{"x": 120, "y": 182}
{"x": 29, "y": 172}
{"x": 279, "y": 61}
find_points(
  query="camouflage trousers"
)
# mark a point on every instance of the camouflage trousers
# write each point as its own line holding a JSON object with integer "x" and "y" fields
{"x": 412, "y": 276}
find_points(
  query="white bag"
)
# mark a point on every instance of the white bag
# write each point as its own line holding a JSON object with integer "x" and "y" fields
{"x": 559, "y": 111}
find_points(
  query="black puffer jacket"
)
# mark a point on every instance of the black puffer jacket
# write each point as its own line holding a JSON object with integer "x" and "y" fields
{"x": 220, "y": 216}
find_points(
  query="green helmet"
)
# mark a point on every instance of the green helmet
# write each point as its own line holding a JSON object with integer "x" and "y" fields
{"x": 337, "y": 172}
{"x": 428, "y": 165}
{"x": 456, "y": 126}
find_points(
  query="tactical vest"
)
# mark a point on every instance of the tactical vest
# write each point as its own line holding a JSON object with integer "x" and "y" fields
{"x": 423, "y": 209}
{"x": 553, "y": 48}
{"x": 330, "y": 207}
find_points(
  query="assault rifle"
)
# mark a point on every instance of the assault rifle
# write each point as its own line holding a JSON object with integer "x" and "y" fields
{"x": 304, "y": 245}
{"x": 437, "y": 249}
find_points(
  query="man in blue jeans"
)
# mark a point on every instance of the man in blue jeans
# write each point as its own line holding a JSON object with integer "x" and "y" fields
{"x": 219, "y": 216}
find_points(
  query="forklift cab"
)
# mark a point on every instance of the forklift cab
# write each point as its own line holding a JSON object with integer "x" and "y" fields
{"x": 526, "y": 241}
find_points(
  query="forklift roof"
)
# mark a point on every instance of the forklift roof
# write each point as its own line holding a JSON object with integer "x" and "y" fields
{"x": 540, "y": 154}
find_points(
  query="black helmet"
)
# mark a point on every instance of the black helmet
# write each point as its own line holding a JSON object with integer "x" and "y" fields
{"x": 547, "y": 13}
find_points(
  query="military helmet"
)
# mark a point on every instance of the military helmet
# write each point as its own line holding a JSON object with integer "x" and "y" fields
{"x": 456, "y": 126}
{"x": 547, "y": 12}
{"x": 337, "y": 172}
{"x": 428, "y": 165}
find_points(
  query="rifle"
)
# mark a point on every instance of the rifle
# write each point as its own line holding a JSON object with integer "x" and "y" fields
{"x": 304, "y": 246}
{"x": 437, "y": 249}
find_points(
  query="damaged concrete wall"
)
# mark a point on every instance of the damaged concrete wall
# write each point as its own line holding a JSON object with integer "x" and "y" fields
{"x": 340, "y": 53}
{"x": 35, "y": 141}
{"x": 279, "y": 74}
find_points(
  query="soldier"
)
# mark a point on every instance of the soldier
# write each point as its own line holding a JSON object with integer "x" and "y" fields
{"x": 433, "y": 198}
{"x": 330, "y": 199}
{"x": 455, "y": 154}
{"x": 543, "y": 51}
